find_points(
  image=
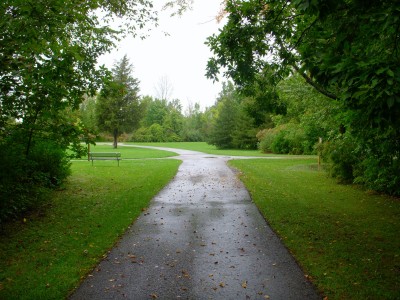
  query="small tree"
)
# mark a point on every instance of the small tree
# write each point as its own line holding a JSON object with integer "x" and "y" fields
{"x": 156, "y": 111}
{"x": 118, "y": 108}
{"x": 224, "y": 122}
{"x": 193, "y": 124}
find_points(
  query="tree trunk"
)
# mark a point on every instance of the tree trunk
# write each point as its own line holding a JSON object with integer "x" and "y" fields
{"x": 115, "y": 144}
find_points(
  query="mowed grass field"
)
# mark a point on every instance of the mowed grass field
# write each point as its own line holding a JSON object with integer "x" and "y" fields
{"x": 210, "y": 149}
{"x": 47, "y": 253}
{"x": 345, "y": 239}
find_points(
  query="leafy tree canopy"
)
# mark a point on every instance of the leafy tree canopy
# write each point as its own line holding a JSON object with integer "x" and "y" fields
{"x": 48, "y": 57}
{"x": 346, "y": 49}
{"x": 48, "y": 63}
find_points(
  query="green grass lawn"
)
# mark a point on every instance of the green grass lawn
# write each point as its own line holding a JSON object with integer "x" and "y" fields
{"x": 206, "y": 148}
{"x": 347, "y": 240}
{"x": 46, "y": 256}
{"x": 131, "y": 152}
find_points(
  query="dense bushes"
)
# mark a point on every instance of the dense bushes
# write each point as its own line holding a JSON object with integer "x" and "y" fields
{"x": 155, "y": 133}
{"x": 23, "y": 179}
{"x": 341, "y": 155}
{"x": 381, "y": 173}
{"x": 309, "y": 117}
{"x": 349, "y": 162}
{"x": 284, "y": 139}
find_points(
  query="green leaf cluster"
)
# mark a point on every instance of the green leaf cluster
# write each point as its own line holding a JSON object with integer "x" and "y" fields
{"x": 347, "y": 50}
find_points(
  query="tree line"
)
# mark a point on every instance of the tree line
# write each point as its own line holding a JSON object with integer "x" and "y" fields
{"x": 290, "y": 118}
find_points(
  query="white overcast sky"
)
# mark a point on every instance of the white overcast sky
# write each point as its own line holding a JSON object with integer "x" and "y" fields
{"x": 181, "y": 57}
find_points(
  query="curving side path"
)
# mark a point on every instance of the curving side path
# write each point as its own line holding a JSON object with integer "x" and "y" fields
{"x": 201, "y": 238}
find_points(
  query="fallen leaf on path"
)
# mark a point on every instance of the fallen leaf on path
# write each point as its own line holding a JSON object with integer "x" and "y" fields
{"x": 244, "y": 284}
{"x": 154, "y": 296}
{"x": 185, "y": 274}
{"x": 222, "y": 284}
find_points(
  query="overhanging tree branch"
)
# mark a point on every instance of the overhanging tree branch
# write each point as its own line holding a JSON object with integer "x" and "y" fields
{"x": 315, "y": 85}
{"x": 303, "y": 33}
{"x": 307, "y": 78}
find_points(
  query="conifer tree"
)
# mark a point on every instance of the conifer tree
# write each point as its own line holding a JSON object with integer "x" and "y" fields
{"x": 118, "y": 107}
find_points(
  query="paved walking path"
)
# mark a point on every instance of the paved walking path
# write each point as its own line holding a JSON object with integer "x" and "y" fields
{"x": 201, "y": 238}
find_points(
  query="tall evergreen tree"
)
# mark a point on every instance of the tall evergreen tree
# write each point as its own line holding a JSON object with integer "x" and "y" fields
{"x": 118, "y": 106}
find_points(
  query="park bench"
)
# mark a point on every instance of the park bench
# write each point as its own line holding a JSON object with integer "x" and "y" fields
{"x": 105, "y": 156}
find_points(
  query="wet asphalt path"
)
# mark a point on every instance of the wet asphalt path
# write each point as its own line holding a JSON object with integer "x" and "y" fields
{"x": 201, "y": 238}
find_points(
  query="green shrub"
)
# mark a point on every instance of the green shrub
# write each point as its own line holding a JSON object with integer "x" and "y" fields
{"x": 141, "y": 135}
{"x": 23, "y": 179}
{"x": 104, "y": 137}
{"x": 287, "y": 138}
{"x": 342, "y": 156}
{"x": 266, "y": 138}
{"x": 16, "y": 190}
{"x": 51, "y": 165}
{"x": 172, "y": 137}
{"x": 192, "y": 135}
{"x": 381, "y": 173}
{"x": 280, "y": 144}
{"x": 156, "y": 133}
{"x": 350, "y": 162}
